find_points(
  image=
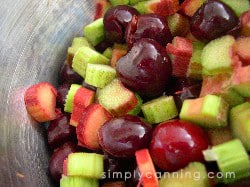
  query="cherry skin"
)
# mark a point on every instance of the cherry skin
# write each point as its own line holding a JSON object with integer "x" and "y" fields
{"x": 57, "y": 158}
{"x": 60, "y": 131}
{"x": 146, "y": 69}
{"x": 176, "y": 143}
{"x": 116, "y": 20}
{"x": 212, "y": 20}
{"x": 121, "y": 137}
{"x": 68, "y": 75}
{"x": 148, "y": 26}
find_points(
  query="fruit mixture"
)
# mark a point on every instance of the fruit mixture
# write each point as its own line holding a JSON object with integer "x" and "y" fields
{"x": 154, "y": 93}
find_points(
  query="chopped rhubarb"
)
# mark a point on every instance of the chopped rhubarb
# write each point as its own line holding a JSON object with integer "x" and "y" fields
{"x": 146, "y": 168}
{"x": 40, "y": 101}
{"x": 83, "y": 98}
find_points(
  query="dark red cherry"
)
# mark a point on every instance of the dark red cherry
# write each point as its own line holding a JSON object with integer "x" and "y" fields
{"x": 121, "y": 137}
{"x": 213, "y": 19}
{"x": 62, "y": 92}
{"x": 57, "y": 158}
{"x": 146, "y": 68}
{"x": 60, "y": 131}
{"x": 68, "y": 75}
{"x": 116, "y": 20}
{"x": 148, "y": 26}
{"x": 176, "y": 143}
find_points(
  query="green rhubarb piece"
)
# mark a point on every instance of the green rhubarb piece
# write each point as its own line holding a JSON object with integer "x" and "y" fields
{"x": 119, "y": 2}
{"x": 238, "y": 6}
{"x": 117, "y": 99}
{"x": 99, "y": 75}
{"x": 89, "y": 165}
{"x": 216, "y": 58}
{"x": 94, "y": 32}
{"x": 142, "y": 7}
{"x": 108, "y": 53}
{"x": 195, "y": 67}
{"x": 240, "y": 123}
{"x": 232, "y": 159}
{"x": 133, "y": 2}
{"x": 210, "y": 111}
{"x": 70, "y": 97}
{"x": 77, "y": 43}
{"x": 77, "y": 181}
{"x": 160, "y": 109}
{"x": 86, "y": 55}
{"x": 193, "y": 175}
{"x": 137, "y": 109}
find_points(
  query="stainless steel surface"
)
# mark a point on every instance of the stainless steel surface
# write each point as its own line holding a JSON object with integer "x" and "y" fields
{"x": 33, "y": 42}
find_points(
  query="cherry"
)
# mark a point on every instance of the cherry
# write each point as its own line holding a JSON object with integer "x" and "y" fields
{"x": 148, "y": 26}
{"x": 213, "y": 19}
{"x": 59, "y": 131}
{"x": 57, "y": 158}
{"x": 116, "y": 20}
{"x": 121, "y": 137}
{"x": 176, "y": 143}
{"x": 62, "y": 92}
{"x": 68, "y": 75}
{"x": 146, "y": 68}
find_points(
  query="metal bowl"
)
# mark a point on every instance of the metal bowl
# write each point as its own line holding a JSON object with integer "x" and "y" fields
{"x": 34, "y": 38}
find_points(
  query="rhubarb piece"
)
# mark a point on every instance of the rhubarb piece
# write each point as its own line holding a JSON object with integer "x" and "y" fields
{"x": 99, "y": 75}
{"x": 89, "y": 165}
{"x": 240, "y": 123}
{"x": 146, "y": 168}
{"x": 133, "y": 2}
{"x": 83, "y": 98}
{"x": 238, "y": 6}
{"x": 181, "y": 51}
{"x": 160, "y": 109}
{"x": 241, "y": 48}
{"x": 94, "y": 32}
{"x": 210, "y": 111}
{"x": 188, "y": 177}
{"x": 245, "y": 23}
{"x": 195, "y": 67}
{"x": 77, "y": 181}
{"x": 87, "y": 55}
{"x": 178, "y": 24}
{"x": 117, "y": 99}
{"x": 40, "y": 102}
{"x": 137, "y": 109}
{"x": 216, "y": 58}
{"x": 232, "y": 158}
{"x": 220, "y": 85}
{"x": 118, "y": 52}
{"x": 114, "y": 184}
{"x": 76, "y": 44}
{"x": 70, "y": 97}
{"x": 101, "y": 7}
{"x": 241, "y": 81}
{"x": 93, "y": 118}
{"x": 119, "y": 2}
{"x": 189, "y": 7}
{"x": 108, "y": 53}
{"x": 219, "y": 135}
{"x": 160, "y": 7}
